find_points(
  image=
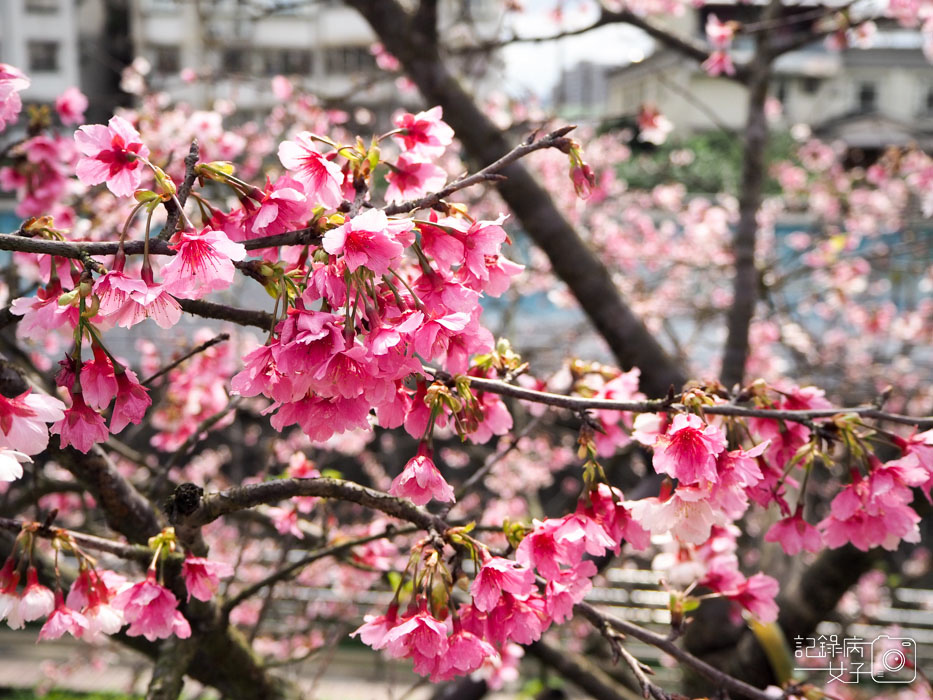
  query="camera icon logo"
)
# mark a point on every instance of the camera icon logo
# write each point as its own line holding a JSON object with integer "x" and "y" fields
{"x": 893, "y": 659}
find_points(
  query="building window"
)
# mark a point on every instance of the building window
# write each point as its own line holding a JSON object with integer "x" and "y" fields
{"x": 288, "y": 62}
{"x": 236, "y": 61}
{"x": 781, "y": 91}
{"x": 810, "y": 85}
{"x": 867, "y": 97}
{"x": 340, "y": 60}
{"x": 42, "y": 7}
{"x": 43, "y": 56}
{"x": 166, "y": 59}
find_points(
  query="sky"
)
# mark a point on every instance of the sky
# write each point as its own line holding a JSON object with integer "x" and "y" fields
{"x": 536, "y": 67}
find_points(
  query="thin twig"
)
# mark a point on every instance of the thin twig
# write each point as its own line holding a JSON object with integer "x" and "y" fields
{"x": 576, "y": 403}
{"x": 171, "y": 222}
{"x": 100, "y": 544}
{"x": 288, "y": 571}
{"x": 555, "y": 139}
{"x": 188, "y": 355}
{"x": 601, "y": 620}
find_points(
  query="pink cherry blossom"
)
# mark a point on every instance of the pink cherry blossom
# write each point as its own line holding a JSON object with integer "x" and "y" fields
{"x": 36, "y": 601}
{"x": 686, "y": 514}
{"x": 499, "y": 575}
{"x": 11, "y": 468}
{"x": 375, "y": 628}
{"x": 81, "y": 426}
{"x": 132, "y": 401}
{"x": 282, "y": 206}
{"x": 520, "y": 619}
{"x": 111, "y": 154}
{"x": 23, "y": 421}
{"x": 719, "y": 63}
{"x": 12, "y": 82}
{"x": 466, "y": 652}
{"x": 151, "y": 610}
{"x": 545, "y": 549}
{"x": 114, "y": 289}
{"x": 369, "y": 240}
{"x": 9, "y": 580}
{"x": 153, "y": 302}
{"x": 98, "y": 380}
{"x": 424, "y": 133}
{"x": 321, "y": 177}
{"x": 42, "y": 312}
{"x": 419, "y": 636}
{"x": 795, "y": 534}
{"x": 70, "y": 106}
{"x": 410, "y": 178}
{"x": 756, "y": 594}
{"x": 202, "y": 576}
{"x": 421, "y": 481}
{"x": 567, "y": 589}
{"x": 719, "y": 34}
{"x": 688, "y": 451}
{"x": 204, "y": 263}
{"x": 63, "y": 619}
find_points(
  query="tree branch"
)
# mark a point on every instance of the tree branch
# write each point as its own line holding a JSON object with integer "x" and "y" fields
{"x": 602, "y": 620}
{"x": 174, "y": 214}
{"x": 577, "y": 403}
{"x": 220, "y": 338}
{"x": 215, "y": 505}
{"x": 222, "y": 312}
{"x": 556, "y": 139}
{"x": 745, "y": 284}
{"x": 290, "y": 570}
{"x": 136, "y": 553}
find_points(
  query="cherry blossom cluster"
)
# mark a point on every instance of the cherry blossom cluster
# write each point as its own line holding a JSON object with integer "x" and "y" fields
{"x": 101, "y": 602}
{"x": 377, "y": 321}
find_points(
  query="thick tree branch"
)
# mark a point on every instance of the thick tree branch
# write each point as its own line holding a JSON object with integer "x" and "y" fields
{"x": 222, "y": 312}
{"x": 171, "y": 665}
{"x": 215, "y": 505}
{"x": 745, "y": 284}
{"x": 571, "y": 259}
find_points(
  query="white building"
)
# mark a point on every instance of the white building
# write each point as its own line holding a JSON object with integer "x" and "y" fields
{"x": 236, "y": 48}
{"x": 869, "y": 98}
{"x": 40, "y": 37}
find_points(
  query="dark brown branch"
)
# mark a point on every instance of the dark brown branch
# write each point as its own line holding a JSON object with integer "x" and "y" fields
{"x": 171, "y": 665}
{"x": 174, "y": 214}
{"x": 580, "y": 671}
{"x": 125, "y": 509}
{"x": 222, "y": 312}
{"x": 215, "y": 505}
{"x": 556, "y": 139}
{"x": 99, "y": 544}
{"x": 745, "y": 283}
{"x": 683, "y": 45}
{"x": 601, "y": 620}
{"x": 578, "y": 403}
